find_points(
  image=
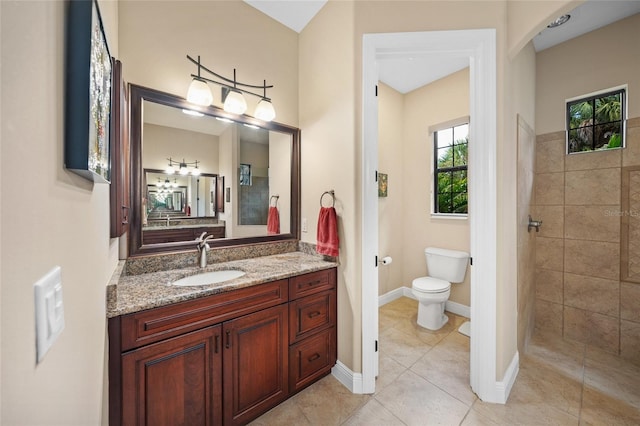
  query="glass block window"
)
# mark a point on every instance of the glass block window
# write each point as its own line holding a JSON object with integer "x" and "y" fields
{"x": 450, "y": 169}
{"x": 596, "y": 122}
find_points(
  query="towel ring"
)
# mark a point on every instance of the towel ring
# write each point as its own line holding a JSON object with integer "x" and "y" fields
{"x": 271, "y": 199}
{"x": 333, "y": 197}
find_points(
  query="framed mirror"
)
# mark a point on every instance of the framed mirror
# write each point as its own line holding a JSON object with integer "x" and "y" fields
{"x": 200, "y": 169}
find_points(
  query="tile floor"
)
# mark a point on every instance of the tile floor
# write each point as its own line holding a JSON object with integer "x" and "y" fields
{"x": 424, "y": 380}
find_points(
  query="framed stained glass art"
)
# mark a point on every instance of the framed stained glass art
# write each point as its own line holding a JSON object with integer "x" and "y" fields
{"x": 88, "y": 93}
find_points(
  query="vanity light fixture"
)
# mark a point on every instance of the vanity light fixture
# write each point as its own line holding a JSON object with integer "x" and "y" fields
{"x": 233, "y": 93}
{"x": 182, "y": 167}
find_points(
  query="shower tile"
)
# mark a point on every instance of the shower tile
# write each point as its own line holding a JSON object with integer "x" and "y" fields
{"x": 564, "y": 356}
{"x": 549, "y": 188}
{"x": 576, "y": 324}
{"x": 549, "y": 285}
{"x": 630, "y": 301}
{"x": 599, "y": 408}
{"x": 612, "y": 375}
{"x": 598, "y": 186}
{"x": 593, "y": 160}
{"x": 592, "y": 258}
{"x": 549, "y": 253}
{"x": 550, "y": 154}
{"x": 552, "y": 218}
{"x": 604, "y": 332}
{"x": 631, "y": 153}
{"x": 553, "y": 136}
{"x": 592, "y": 294}
{"x": 630, "y": 341}
{"x": 598, "y": 223}
{"x": 549, "y": 316}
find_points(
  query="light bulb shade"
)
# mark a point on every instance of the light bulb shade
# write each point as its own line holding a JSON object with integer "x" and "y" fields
{"x": 199, "y": 93}
{"x": 183, "y": 169}
{"x": 235, "y": 103}
{"x": 265, "y": 111}
{"x": 195, "y": 172}
{"x": 170, "y": 170}
{"x": 158, "y": 184}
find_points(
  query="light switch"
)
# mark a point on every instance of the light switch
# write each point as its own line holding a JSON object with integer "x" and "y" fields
{"x": 49, "y": 311}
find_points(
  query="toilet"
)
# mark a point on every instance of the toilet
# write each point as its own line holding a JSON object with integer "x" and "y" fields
{"x": 444, "y": 267}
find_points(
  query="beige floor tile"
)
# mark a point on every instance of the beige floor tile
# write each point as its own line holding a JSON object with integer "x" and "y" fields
{"x": 388, "y": 371}
{"x": 373, "y": 414}
{"x": 328, "y": 402}
{"x": 612, "y": 376}
{"x": 523, "y": 413}
{"x": 566, "y": 357}
{"x": 402, "y": 347}
{"x": 287, "y": 413}
{"x": 448, "y": 369}
{"x": 601, "y": 409}
{"x": 474, "y": 418}
{"x": 540, "y": 384}
{"x": 415, "y": 401}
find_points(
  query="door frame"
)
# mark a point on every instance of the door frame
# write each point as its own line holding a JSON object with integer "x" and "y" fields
{"x": 480, "y": 47}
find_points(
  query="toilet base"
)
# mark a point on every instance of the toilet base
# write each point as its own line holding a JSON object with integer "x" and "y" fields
{"x": 431, "y": 316}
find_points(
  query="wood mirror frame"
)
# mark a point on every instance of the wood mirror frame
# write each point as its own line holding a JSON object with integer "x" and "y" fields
{"x": 138, "y": 94}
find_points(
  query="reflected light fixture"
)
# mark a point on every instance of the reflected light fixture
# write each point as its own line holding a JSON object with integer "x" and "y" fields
{"x": 182, "y": 167}
{"x": 234, "y": 101}
{"x": 559, "y": 21}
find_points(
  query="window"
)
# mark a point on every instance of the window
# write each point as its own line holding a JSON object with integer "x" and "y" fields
{"x": 450, "y": 169}
{"x": 596, "y": 122}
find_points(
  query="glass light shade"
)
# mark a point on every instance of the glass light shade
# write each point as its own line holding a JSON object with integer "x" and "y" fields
{"x": 235, "y": 103}
{"x": 170, "y": 170}
{"x": 195, "y": 172}
{"x": 183, "y": 169}
{"x": 166, "y": 183}
{"x": 265, "y": 111}
{"x": 158, "y": 184}
{"x": 199, "y": 93}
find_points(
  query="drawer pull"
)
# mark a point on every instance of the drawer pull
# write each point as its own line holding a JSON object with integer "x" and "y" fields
{"x": 314, "y": 314}
{"x": 313, "y": 357}
{"x": 228, "y": 345}
{"x": 312, "y": 283}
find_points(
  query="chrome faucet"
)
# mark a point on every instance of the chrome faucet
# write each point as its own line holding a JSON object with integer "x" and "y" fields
{"x": 203, "y": 248}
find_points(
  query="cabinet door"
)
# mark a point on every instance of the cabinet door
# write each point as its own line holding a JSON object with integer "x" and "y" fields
{"x": 174, "y": 382}
{"x": 255, "y": 364}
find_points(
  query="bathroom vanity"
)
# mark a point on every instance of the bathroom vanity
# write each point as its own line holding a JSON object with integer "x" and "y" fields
{"x": 224, "y": 353}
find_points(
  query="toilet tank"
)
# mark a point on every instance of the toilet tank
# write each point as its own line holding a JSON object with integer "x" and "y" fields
{"x": 448, "y": 265}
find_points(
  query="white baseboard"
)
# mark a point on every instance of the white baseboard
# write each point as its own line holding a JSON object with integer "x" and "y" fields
{"x": 503, "y": 388}
{"x": 453, "y": 307}
{"x": 351, "y": 380}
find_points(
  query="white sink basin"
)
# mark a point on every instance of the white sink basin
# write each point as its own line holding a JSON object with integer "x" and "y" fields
{"x": 208, "y": 278}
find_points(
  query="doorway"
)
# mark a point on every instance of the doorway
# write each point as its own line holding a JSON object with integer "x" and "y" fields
{"x": 480, "y": 47}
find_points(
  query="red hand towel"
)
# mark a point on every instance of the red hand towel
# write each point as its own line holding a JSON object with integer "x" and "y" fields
{"x": 327, "y": 235}
{"x": 273, "y": 221}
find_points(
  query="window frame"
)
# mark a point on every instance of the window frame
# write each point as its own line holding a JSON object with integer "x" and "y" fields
{"x": 433, "y": 130}
{"x": 591, "y": 97}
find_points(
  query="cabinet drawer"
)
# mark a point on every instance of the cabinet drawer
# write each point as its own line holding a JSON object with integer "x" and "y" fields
{"x": 312, "y": 283}
{"x": 311, "y": 359}
{"x": 311, "y": 314}
{"x": 142, "y": 328}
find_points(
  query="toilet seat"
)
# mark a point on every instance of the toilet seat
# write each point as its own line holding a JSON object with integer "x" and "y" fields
{"x": 430, "y": 285}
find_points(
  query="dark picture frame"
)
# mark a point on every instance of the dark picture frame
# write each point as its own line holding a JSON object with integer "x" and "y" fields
{"x": 89, "y": 74}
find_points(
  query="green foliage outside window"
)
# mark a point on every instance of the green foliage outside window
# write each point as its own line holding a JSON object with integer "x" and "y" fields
{"x": 451, "y": 149}
{"x": 595, "y": 123}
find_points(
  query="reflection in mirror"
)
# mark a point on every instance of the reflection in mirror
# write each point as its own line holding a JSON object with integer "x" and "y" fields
{"x": 186, "y": 163}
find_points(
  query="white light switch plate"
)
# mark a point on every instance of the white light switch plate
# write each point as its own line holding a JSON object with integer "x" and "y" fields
{"x": 49, "y": 311}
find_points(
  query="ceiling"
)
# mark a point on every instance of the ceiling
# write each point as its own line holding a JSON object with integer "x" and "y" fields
{"x": 407, "y": 74}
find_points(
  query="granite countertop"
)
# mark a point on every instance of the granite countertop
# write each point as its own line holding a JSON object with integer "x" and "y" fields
{"x": 132, "y": 293}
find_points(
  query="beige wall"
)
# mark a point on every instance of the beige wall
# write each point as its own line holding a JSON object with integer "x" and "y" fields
{"x": 156, "y": 36}
{"x": 441, "y": 101}
{"x": 595, "y": 61}
{"x": 329, "y": 154}
{"x": 391, "y": 213}
{"x": 161, "y": 143}
{"x": 53, "y": 217}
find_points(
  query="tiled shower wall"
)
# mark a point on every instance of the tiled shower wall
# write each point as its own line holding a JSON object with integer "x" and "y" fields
{"x": 586, "y": 203}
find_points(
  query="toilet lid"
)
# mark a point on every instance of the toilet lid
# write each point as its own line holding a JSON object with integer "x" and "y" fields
{"x": 431, "y": 285}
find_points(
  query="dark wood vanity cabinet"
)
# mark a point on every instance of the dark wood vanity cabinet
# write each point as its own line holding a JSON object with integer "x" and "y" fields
{"x": 222, "y": 359}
